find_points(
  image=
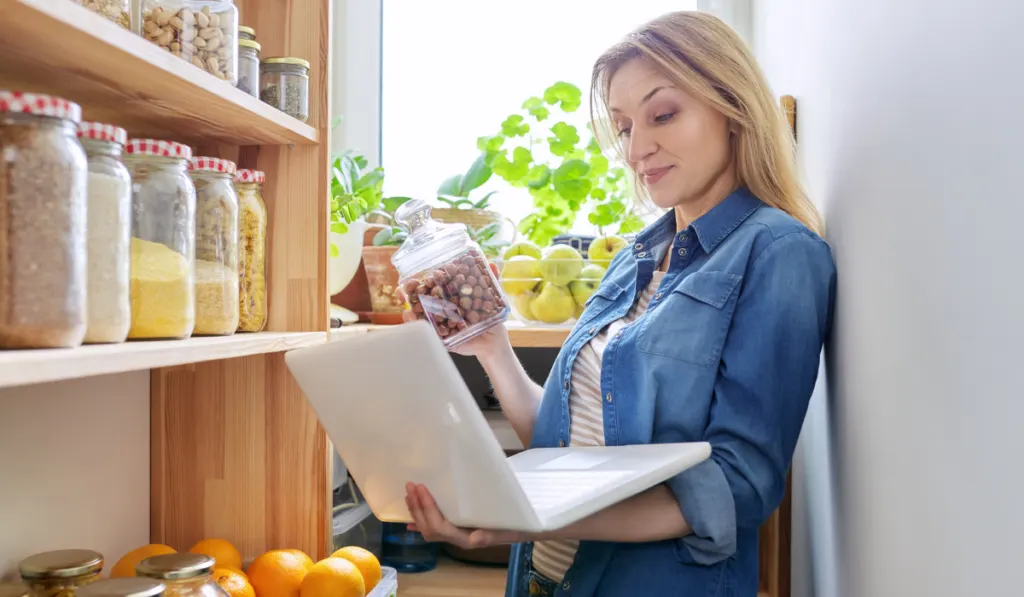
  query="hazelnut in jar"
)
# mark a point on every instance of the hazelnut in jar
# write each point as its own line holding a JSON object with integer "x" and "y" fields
{"x": 60, "y": 573}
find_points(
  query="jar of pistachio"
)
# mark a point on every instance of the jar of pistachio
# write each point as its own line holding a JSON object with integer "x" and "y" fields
{"x": 216, "y": 246}
{"x": 60, "y": 573}
{"x": 252, "y": 251}
{"x": 203, "y": 32}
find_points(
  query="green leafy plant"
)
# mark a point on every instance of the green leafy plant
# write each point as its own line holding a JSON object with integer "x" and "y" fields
{"x": 356, "y": 193}
{"x": 454, "y": 191}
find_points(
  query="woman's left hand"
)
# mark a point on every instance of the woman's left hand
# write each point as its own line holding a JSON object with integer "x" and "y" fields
{"x": 432, "y": 524}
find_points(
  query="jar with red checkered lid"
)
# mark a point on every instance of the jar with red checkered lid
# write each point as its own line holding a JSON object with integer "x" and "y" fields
{"x": 163, "y": 239}
{"x": 252, "y": 251}
{"x": 216, "y": 246}
{"x": 109, "y": 232}
{"x": 42, "y": 222}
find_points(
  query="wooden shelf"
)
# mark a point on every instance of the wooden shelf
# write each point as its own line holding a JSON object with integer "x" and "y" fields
{"x": 522, "y": 336}
{"x": 454, "y": 579}
{"x": 121, "y": 78}
{"x": 21, "y": 367}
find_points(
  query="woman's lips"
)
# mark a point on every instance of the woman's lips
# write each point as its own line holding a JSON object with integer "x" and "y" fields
{"x": 653, "y": 175}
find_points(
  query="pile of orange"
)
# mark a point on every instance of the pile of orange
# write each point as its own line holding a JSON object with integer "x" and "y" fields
{"x": 349, "y": 572}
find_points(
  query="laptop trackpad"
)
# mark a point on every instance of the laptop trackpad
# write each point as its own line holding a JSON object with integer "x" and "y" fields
{"x": 576, "y": 461}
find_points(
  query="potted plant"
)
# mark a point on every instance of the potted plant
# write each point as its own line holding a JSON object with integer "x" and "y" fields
{"x": 381, "y": 275}
{"x": 457, "y": 206}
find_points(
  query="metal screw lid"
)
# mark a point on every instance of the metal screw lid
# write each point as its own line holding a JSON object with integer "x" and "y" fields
{"x": 63, "y": 563}
{"x": 13, "y": 590}
{"x": 175, "y": 566}
{"x": 123, "y": 587}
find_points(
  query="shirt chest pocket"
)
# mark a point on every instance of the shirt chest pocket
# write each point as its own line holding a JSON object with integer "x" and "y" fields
{"x": 599, "y": 302}
{"x": 692, "y": 322}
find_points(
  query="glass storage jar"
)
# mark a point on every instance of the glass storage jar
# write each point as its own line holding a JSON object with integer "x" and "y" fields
{"x": 203, "y": 32}
{"x": 249, "y": 66}
{"x": 117, "y": 11}
{"x": 252, "y": 251}
{"x": 185, "y": 574}
{"x": 42, "y": 222}
{"x": 60, "y": 573}
{"x": 109, "y": 229}
{"x": 216, "y": 246}
{"x": 123, "y": 587}
{"x": 11, "y": 589}
{"x": 246, "y": 33}
{"x": 284, "y": 84}
{"x": 163, "y": 239}
{"x": 445, "y": 277}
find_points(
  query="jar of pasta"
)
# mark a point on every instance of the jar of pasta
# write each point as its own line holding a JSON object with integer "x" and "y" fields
{"x": 43, "y": 174}
{"x": 123, "y": 587}
{"x": 216, "y": 246}
{"x": 185, "y": 574}
{"x": 163, "y": 239}
{"x": 109, "y": 233}
{"x": 60, "y": 573}
{"x": 252, "y": 251}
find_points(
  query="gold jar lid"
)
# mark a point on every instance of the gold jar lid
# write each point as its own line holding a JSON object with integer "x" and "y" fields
{"x": 248, "y": 30}
{"x": 13, "y": 590}
{"x": 63, "y": 563}
{"x": 248, "y": 43}
{"x": 286, "y": 60}
{"x": 175, "y": 566}
{"x": 123, "y": 587}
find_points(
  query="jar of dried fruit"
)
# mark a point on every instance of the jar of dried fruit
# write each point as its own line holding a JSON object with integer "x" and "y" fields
{"x": 114, "y": 10}
{"x": 203, "y": 32}
{"x": 163, "y": 239}
{"x": 445, "y": 277}
{"x": 60, "y": 573}
{"x": 109, "y": 233}
{"x": 249, "y": 66}
{"x": 42, "y": 222}
{"x": 123, "y": 587}
{"x": 252, "y": 251}
{"x": 216, "y": 246}
{"x": 185, "y": 574}
{"x": 284, "y": 84}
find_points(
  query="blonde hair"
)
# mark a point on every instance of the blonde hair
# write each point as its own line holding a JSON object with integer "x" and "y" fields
{"x": 705, "y": 57}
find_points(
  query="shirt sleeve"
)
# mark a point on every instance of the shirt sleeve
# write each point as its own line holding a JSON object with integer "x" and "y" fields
{"x": 767, "y": 374}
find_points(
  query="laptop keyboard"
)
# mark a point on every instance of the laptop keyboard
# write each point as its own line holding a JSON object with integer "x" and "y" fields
{"x": 548, "y": 489}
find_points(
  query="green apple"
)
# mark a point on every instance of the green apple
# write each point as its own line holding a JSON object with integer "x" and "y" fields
{"x": 587, "y": 282}
{"x": 523, "y": 247}
{"x": 522, "y": 304}
{"x": 520, "y": 274}
{"x": 579, "y": 311}
{"x": 603, "y": 248}
{"x": 560, "y": 264}
{"x": 554, "y": 304}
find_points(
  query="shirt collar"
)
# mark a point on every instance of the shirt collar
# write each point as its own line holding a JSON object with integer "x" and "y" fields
{"x": 711, "y": 228}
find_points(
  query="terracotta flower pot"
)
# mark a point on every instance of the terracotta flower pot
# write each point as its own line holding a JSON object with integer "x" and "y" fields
{"x": 382, "y": 279}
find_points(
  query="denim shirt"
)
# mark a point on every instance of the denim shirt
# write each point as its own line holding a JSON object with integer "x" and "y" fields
{"x": 727, "y": 352}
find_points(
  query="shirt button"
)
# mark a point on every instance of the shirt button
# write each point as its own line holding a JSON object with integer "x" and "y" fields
{"x": 683, "y": 238}
{"x": 565, "y": 385}
{"x": 565, "y": 586}
{"x": 682, "y": 252}
{"x": 641, "y": 254}
{"x": 608, "y": 396}
{"x": 593, "y": 331}
{"x": 561, "y": 443}
{"x": 657, "y": 296}
{"x": 638, "y": 246}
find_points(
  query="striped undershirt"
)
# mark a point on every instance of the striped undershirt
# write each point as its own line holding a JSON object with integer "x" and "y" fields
{"x": 586, "y": 422}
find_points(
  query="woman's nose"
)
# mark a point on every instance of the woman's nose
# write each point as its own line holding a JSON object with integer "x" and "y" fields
{"x": 641, "y": 145}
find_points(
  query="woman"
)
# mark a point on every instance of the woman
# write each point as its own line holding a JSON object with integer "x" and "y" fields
{"x": 708, "y": 328}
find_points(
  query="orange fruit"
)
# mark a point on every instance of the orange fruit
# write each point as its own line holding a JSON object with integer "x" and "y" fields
{"x": 234, "y": 582}
{"x": 365, "y": 561}
{"x": 126, "y": 565}
{"x": 306, "y": 560}
{"x": 334, "y": 577}
{"x": 277, "y": 573}
{"x": 224, "y": 552}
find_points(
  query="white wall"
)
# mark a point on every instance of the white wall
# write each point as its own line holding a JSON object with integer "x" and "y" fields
{"x": 910, "y": 141}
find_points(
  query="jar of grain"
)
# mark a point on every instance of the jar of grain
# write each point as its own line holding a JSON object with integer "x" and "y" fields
{"x": 163, "y": 239}
{"x": 109, "y": 233}
{"x": 60, "y": 573}
{"x": 42, "y": 222}
{"x": 185, "y": 574}
{"x": 124, "y": 587}
{"x": 203, "y": 32}
{"x": 284, "y": 84}
{"x": 216, "y": 246}
{"x": 252, "y": 251}
{"x": 117, "y": 11}
{"x": 249, "y": 66}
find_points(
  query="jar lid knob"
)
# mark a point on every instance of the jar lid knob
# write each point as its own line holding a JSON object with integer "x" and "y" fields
{"x": 413, "y": 214}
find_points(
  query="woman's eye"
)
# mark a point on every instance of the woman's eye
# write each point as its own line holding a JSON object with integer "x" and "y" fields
{"x": 624, "y": 132}
{"x": 663, "y": 118}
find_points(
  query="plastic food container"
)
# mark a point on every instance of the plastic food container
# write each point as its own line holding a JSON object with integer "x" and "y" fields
{"x": 60, "y": 573}
{"x": 123, "y": 587}
{"x": 109, "y": 233}
{"x": 249, "y": 66}
{"x": 163, "y": 239}
{"x": 446, "y": 278}
{"x": 44, "y": 173}
{"x": 118, "y": 11}
{"x": 388, "y": 585}
{"x": 551, "y": 289}
{"x": 216, "y": 280}
{"x": 252, "y": 251}
{"x": 284, "y": 84}
{"x": 185, "y": 574}
{"x": 203, "y": 32}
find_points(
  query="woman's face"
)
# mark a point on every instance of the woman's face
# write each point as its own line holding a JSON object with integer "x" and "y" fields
{"x": 678, "y": 145}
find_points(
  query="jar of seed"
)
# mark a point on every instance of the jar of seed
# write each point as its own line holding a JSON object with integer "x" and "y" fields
{"x": 184, "y": 574}
{"x": 60, "y": 573}
{"x": 109, "y": 233}
{"x": 249, "y": 66}
{"x": 252, "y": 251}
{"x": 284, "y": 84}
{"x": 216, "y": 246}
{"x": 117, "y": 11}
{"x": 124, "y": 587}
{"x": 43, "y": 180}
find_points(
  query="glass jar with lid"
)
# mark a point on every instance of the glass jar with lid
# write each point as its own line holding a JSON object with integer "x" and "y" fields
{"x": 108, "y": 236}
{"x": 249, "y": 66}
{"x": 185, "y": 574}
{"x": 163, "y": 239}
{"x": 123, "y": 587}
{"x": 117, "y": 11}
{"x": 60, "y": 573}
{"x": 42, "y": 222}
{"x": 203, "y": 32}
{"x": 11, "y": 589}
{"x": 246, "y": 33}
{"x": 216, "y": 246}
{"x": 284, "y": 84}
{"x": 252, "y": 251}
{"x": 445, "y": 277}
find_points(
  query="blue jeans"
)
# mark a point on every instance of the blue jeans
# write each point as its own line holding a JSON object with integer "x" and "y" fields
{"x": 538, "y": 585}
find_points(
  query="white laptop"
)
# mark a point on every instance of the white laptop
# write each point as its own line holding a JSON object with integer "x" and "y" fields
{"x": 397, "y": 409}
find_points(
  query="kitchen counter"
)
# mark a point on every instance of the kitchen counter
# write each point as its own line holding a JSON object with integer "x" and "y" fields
{"x": 454, "y": 579}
